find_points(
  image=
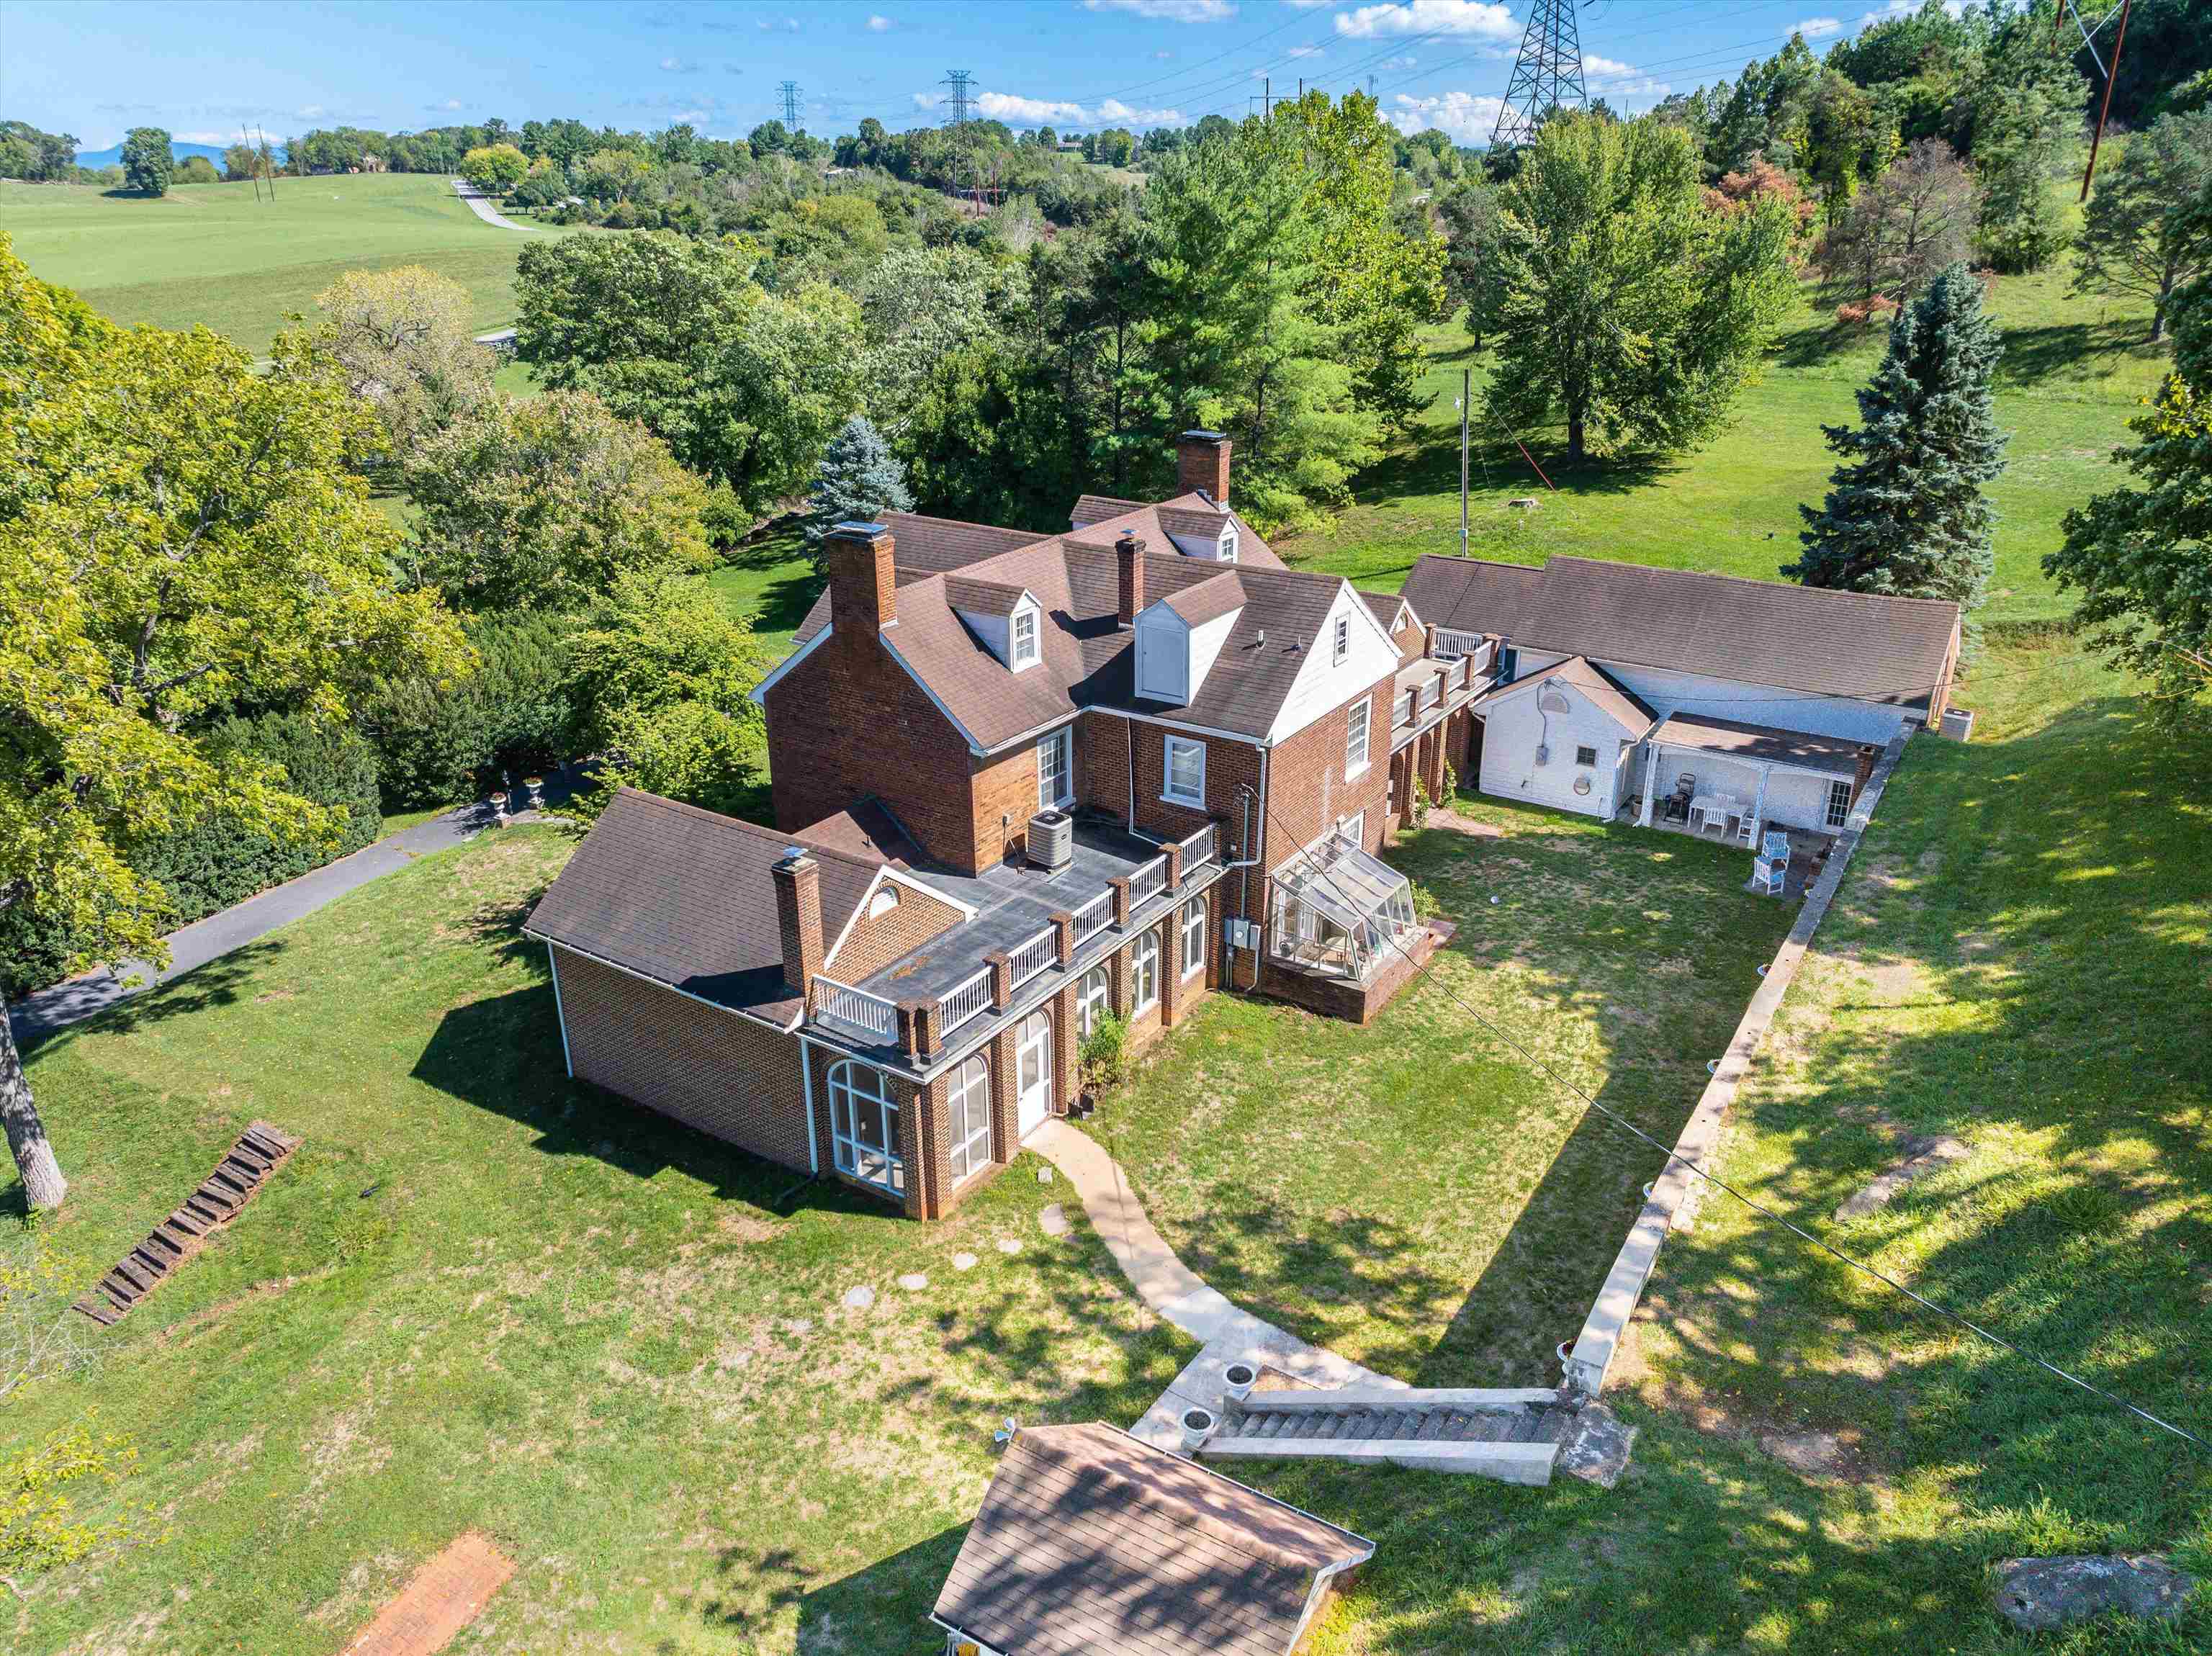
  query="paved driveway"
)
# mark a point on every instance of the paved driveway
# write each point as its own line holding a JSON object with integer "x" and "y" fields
{"x": 481, "y": 207}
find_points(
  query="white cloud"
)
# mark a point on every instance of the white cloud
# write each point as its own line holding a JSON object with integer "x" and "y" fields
{"x": 1602, "y": 67}
{"x": 927, "y": 99}
{"x": 678, "y": 66}
{"x": 1170, "y": 11}
{"x": 203, "y": 137}
{"x": 1462, "y": 116}
{"x": 1308, "y": 5}
{"x": 308, "y": 113}
{"x": 451, "y": 106}
{"x": 1476, "y": 17}
{"x": 1819, "y": 28}
{"x": 789, "y": 25}
{"x": 1015, "y": 110}
{"x": 1162, "y": 55}
{"x": 1406, "y": 62}
{"x": 877, "y": 25}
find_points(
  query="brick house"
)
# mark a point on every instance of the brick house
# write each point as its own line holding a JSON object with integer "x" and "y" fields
{"x": 1020, "y": 782}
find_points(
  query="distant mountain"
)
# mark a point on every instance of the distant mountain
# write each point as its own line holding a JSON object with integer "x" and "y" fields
{"x": 112, "y": 156}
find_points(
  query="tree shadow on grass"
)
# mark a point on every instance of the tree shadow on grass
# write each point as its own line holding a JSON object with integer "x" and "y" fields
{"x": 2033, "y": 356}
{"x": 217, "y": 983}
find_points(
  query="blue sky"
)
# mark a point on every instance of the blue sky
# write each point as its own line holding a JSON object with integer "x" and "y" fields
{"x": 96, "y": 68}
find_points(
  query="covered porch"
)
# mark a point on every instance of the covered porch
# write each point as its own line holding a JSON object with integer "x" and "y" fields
{"x": 1734, "y": 781}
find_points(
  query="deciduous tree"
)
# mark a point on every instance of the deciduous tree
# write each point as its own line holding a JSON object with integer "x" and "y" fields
{"x": 1906, "y": 512}
{"x": 2148, "y": 228}
{"x": 148, "y": 161}
{"x": 186, "y": 536}
{"x": 401, "y": 341}
{"x": 494, "y": 168}
{"x": 1917, "y": 219}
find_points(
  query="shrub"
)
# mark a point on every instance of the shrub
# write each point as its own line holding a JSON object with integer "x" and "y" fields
{"x": 443, "y": 743}
{"x": 1104, "y": 1057}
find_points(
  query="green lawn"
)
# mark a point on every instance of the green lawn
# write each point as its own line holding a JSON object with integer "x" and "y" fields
{"x": 2073, "y": 373}
{"x": 210, "y": 254}
{"x": 1454, "y": 1228}
{"x": 772, "y": 582}
{"x": 480, "y": 1294}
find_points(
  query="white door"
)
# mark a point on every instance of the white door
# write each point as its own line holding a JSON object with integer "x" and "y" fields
{"x": 1033, "y": 1072}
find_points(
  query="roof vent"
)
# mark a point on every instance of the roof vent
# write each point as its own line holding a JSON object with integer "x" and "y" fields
{"x": 1051, "y": 841}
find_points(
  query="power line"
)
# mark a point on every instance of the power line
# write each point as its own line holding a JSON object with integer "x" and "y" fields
{"x": 1547, "y": 74}
{"x": 1426, "y": 969}
{"x": 790, "y": 94}
{"x": 956, "y": 80}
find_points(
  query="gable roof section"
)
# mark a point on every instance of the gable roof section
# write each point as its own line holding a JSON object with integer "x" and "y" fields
{"x": 1859, "y": 645}
{"x": 1096, "y": 508}
{"x": 1472, "y": 595}
{"x": 1089, "y": 1540}
{"x": 982, "y": 597}
{"x": 683, "y": 897}
{"x": 1149, "y": 523}
{"x": 1207, "y": 600}
{"x": 1600, "y": 688}
{"x": 935, "y": 545}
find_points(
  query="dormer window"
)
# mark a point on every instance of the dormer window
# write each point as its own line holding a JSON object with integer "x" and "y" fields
{"x": 1228, "y": 543}
{"x": 1341, "y": 646}
{"x": 1025, "y": 650}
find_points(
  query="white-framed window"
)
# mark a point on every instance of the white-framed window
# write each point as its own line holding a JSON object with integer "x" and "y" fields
{"x": 1228, "y": 549}
{"x": 1022, "y": 652}
{"x": 1341, "y": 645}
{"x": 864, "y": 1126}
{"x": 1055, "y": 770}
{"x": 1144, "y": 973}
{"x": 1094, "y": 1000}
{"x": 885, "y": 899}
{"x": 1355, "y": 737}
{"x": 1353, "y": 829}
{"x": 1193, "y": 938}
{"x": 968, "y": 1108}
{"x": 1585, "y": 756}
{"x": 1839, "y": 802}
{"x": 1184, "y": 771}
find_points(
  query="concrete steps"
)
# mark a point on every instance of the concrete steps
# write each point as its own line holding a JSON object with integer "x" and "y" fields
{"x": 1510, "y": 1434}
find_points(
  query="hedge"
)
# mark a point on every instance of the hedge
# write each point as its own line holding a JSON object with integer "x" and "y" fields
{"x": 440, "y": 745}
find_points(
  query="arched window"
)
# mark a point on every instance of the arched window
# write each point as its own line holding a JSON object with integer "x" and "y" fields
{"x": 968, "y": 1108}
{"x": 1144, "y": 973}
{"x": 864, "y": 1126}
{"x": 1194, "y": 937}
{"x": 1094, "y": 999}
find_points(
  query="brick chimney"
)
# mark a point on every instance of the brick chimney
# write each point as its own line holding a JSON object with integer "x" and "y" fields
{"x": 799, "y": 913}
{"x": 1130, "y": 554}
{"x": 863, "y": 592}
{"x": 1202, "y": 463}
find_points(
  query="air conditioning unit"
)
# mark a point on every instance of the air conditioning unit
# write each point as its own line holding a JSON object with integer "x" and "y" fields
{"x": 1051, "y": 841}
{"x": 1958, "y": 725}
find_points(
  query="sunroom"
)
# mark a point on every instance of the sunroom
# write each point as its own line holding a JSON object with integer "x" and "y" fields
{"x": 1337, "y": 910}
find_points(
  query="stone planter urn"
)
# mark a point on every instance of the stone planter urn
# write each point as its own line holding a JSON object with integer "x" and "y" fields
{"x": 1239, "y": 1380}
{"x": 1197, "y": 1426}
{"x": 533, "y": 794}
{"x": 498, "y": 807}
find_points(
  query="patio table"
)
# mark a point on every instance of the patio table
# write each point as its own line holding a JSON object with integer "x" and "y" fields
{"x": 1706, "y": 808}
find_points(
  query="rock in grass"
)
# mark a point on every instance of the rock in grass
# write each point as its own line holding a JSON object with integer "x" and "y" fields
{"x": 1597, "y": 1451}
{"x": 1053, "y": 1220}
{"x": 2041, "y": 1594}
{"x": 860, "y": 1298}
{"x": 913, "y": 1281}
{"x": 1010, "y": 1244}
{"x": 964, "y": 1261}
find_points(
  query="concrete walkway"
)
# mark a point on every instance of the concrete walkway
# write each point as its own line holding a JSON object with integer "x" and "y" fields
{"x": 37, "y": 1016}
{"x": 481, "y": 207}
{"x": 1176, "y": 1292}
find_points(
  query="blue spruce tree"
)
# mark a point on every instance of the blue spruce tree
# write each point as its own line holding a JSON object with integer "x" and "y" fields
{"x": 1905, "y": 513}
{"x": 858, "y": 480}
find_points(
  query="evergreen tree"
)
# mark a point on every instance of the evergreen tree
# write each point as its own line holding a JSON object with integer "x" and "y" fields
{"x": 1906, "y": 513}
{"x": 859, "y": 479}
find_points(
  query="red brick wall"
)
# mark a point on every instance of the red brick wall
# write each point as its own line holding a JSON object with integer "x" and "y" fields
{"x": 1306, "y": 785}
{"x": 724, "y": 1075}
{"x": 1002, "y": 792}
{"x": 874, "y": 943}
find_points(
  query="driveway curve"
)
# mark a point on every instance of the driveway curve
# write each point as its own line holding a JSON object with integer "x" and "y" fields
{"x": 481, "y": 206}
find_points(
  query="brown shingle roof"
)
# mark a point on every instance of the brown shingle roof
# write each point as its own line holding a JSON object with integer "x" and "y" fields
{"x": 1088, "y": 1541}
{"x": 982, "y": 598}
{"x": 937, "y": 544}
{"x": 1192, "y": 523}
{"x": 1208, "y": 600}
{"x": 1859, "y": 645}
{"x": 1606, "y": 693}
{"x": 1472, "y": 595}
{"x": 683, "y": 896}
{"x": 1096, "y": 508}
{"x": 1830, "y": 753}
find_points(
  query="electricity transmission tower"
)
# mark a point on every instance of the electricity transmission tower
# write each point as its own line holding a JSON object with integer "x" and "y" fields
{"x": 956, "y": 82}
{"x": 1546, "y": 75}
{"x": 790, "y": 94}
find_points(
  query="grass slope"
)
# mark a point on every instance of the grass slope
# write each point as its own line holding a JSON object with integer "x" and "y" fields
{"x": 482, "y": 1295}
{"x": 209, "y": 254}
{"x": 2074, "y": 372}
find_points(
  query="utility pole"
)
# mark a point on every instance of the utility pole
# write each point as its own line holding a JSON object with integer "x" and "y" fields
{"x": 789, "y": 93}
{"x": 957, "y": 80}
{"x": 1466, "y": 396}
{"x": 1546, "y": 75}
{"x": 1268, "y": 98}
{"x": 252, "y": 168}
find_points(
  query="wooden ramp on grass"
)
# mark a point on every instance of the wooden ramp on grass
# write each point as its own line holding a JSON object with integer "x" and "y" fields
{"x": 446, "y": 1595}
{"x": 223, "y": 1195}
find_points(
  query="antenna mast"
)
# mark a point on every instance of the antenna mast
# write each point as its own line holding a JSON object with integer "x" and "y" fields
{"x": 1546, "y": 75}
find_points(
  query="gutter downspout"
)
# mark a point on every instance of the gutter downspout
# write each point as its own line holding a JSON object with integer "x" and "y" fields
{"x": 1243, "y": 878}
{"x": 560, "y": 1011}
{"x": 806, "y": 1096}
{"x": 1129, "y": 748}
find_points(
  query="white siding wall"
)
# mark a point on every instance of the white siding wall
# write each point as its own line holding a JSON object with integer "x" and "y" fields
{"x": 992, "y": 629}
{"x": 1516, "y": 728}
{"x": 1324, "y": 686}
{"x": 1163, "y": 655}
{"x": 1205, "y": 642}
{"x": 1795, "y": 798}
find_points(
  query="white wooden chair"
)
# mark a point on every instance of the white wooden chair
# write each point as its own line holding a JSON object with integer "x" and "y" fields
{"x": 1746, "y": 830}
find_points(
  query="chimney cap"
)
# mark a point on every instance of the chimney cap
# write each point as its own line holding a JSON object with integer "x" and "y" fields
{"x": 793, "y": 854}
{"x": 1128, "y": 541}
{"x": 1200, "y": 434}
{"x": 850, "y": 530}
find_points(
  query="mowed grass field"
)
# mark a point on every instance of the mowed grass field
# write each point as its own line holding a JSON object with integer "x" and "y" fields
{"x": 2075, "y": 370}
{"x": 210, "y": 254}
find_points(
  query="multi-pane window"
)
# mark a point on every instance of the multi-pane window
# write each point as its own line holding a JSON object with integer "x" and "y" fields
{"x": 1025, "y": 637}
{"x": 1144, "y": 973}
{"x": 1193, "y": 938}
{"x": 1839, "y": 802}
{"x": 1094, "y": 999}
{"x": 1185, "y": 771}
{"x": 1342, "y": 645}
{"x": 968, "y": 1107}
{"x": 864, "y": 1126}
{"x": 1585, "y": 756}
{"x": 1055, "y": 773}
{"x": 1355, "y": 737}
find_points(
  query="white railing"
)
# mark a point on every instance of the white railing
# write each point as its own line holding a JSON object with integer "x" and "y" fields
{"x": 1094, "y": 917}
{"x": 1401, "y": 711}
{"x": 970, "y": 1000}
{"x": 856, "y": 1008}
{"x": 1148, "y": 881}
{"x": 1459, "y": 644}
{"x": 1199, "y": 848}
{"x": 1033, "y": 956}
{"x": 1436, "y": 691}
